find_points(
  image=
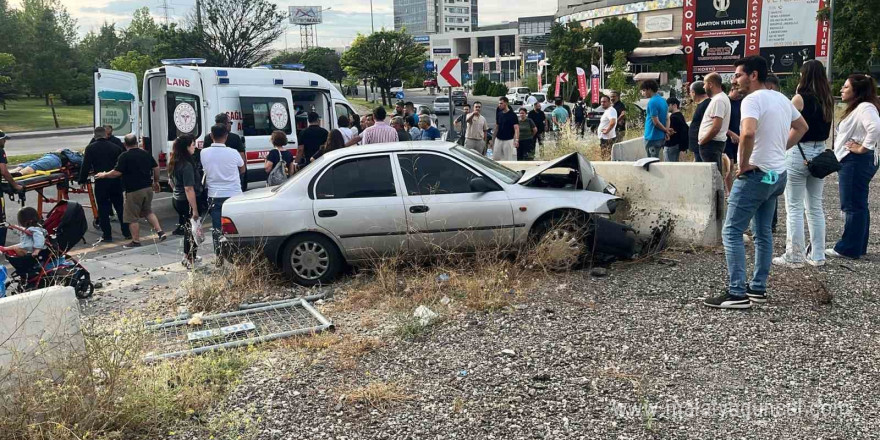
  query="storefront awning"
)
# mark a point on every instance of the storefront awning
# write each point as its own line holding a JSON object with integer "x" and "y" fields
{"x": 647, "y": 52}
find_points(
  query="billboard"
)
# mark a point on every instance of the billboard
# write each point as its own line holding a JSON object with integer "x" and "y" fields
{"x": 305, "y": 14}
{"x": 715, "y": 33}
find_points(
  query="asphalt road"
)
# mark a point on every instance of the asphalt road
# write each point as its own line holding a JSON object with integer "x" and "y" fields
{"x": 15, "y": 147}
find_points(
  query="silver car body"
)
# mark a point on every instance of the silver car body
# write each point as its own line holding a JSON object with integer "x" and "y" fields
{"x": 403, "y": 219}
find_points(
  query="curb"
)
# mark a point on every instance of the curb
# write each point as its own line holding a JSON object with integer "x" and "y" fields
{"x": 72, "y": 131}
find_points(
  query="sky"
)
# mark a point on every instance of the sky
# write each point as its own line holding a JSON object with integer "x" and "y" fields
{"x": 341, "y": 24}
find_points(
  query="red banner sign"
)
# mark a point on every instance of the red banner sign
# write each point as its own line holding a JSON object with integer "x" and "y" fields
{"x": 594, "y": 97}
{"x": 582, "y": 82}
{"x": 558, "y": 85}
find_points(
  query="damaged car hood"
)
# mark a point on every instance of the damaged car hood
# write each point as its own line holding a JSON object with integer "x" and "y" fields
{"x": 575, "y": 161}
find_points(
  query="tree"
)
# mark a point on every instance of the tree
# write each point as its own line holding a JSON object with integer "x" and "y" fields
{"x": 383, "y": 56}
{"x": 616, "y": 34}
{"x": 135, "y": 63}
{"x": 45, "y": 56}
{"x": 617, "y": 79}
{"x": 142, "y": 33}
{"x": 856, "y": 36}
{"x": 239, "y": 32}
{"x": 287, "y": 57}
{"x": 7, "y": 62}
{"x": 97, "y": 49}
{"x": 569, "y": 49}
{"x": 325, "y": 62}
{"x": 173, "y": 41}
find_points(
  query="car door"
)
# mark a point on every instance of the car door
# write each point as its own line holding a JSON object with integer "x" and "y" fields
{"x": 444, "y": 213}
{"x": 358, "y": 201}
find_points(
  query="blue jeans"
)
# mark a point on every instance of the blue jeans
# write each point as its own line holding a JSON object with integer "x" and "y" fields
{"x": 215, "y": 209}
{"x": 45, "y": 163}
{"x": 855, "y": 176}
{"x": 670, "y": 154}
{"x": 653, "y": 148}
{"x": 802, "y": 188}
{"x": 750, "y": 198}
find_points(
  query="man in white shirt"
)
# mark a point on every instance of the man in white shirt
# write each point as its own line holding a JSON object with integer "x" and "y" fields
{"x": 716, "y": 121}
{"x": 222, "y": 167}
{"x": 607, "y": 127}
{"x": 476, "y": 128}
{"x": 770, "y": 125}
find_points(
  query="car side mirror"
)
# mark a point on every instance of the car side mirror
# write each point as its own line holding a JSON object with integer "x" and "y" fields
{"x": 479, "y": 184}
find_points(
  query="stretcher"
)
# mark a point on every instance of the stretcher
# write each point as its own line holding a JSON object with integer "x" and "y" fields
{"x": 63, "y": 179}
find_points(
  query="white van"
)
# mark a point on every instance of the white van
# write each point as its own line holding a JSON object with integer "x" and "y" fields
{"x": 184, "y": 99}
{"x": 518, "y": 95}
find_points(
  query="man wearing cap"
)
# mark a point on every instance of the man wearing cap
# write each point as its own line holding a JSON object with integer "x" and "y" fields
{"x": 4, "y": 172}
{"x": 311, "y": 139}
{"x": 233, "y": 141}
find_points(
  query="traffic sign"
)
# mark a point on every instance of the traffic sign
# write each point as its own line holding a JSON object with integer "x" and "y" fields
{"x": 450, "y": 74}
{"x": 399, "y": 95}
{"x": 429, "y": 66}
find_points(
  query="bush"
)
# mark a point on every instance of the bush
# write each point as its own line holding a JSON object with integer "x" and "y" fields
{"x": 502, "y": 90}
{"x": 481, "y": 87}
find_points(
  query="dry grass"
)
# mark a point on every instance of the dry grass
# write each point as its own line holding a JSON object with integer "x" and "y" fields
{"x": 567, "y": 141}
{"x": 377, "y": 395}
{"x": 250, "y": 277}
{"x": 343, "y": 350}
{"x": 107, "y": 392}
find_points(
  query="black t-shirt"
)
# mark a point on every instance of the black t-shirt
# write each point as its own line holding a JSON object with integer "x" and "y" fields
{"x": 185, "y": 175}
{"x": 233, "y": 141}
{"x": 275, "y": 155}
{"x": 620, "y": 107}
{"x": 505, "y": 123}
{"x": 311, "y": 139}
{"x": 734, "y": 123}
{"x": 3, "y": 155}
{"x": 539, "y": 118}
{"x": 136, "y": 166}
{"x": 677, "y": 123}
{"x": 815, "y": 117}
{"x": 694, "y": 131}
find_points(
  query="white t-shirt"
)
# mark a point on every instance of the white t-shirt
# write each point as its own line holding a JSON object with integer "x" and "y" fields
{"x": 774, "y": 113}
{"x": 346, "y": 133}
{"x": 605, "y": 121}
{"x": 719, "y": 107}
{"x": 221, "y": 170}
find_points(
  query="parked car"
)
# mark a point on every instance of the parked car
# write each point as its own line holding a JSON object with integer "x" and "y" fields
{"x": 518, "y": 95}
{"x": 594, "y": 115}
{"x": 422, "y": 108}
{"x": 430, "y": 82}
{"x": 353, "y": 205}
{"x": 459, "y": 97}
{"x": 539, "y": 98}
{"x": 441, "y": 105}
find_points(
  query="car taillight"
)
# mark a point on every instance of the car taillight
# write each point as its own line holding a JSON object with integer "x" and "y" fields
{"x": 227, "y": 227}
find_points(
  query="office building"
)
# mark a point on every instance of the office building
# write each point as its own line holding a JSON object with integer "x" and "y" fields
{"x": 424, "y": 17}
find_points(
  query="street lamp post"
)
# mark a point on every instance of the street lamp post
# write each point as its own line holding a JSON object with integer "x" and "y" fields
{"x": 601, "y": 65}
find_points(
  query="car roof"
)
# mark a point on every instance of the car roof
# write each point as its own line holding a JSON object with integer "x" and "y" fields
{"x": 391, "y": 147}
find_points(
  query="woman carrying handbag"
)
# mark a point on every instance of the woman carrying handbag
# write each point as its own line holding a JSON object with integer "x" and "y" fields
{"x": 858, "y": 135}
{"x": 804, "y": 188}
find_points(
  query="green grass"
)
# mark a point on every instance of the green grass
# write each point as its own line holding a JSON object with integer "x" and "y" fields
{"x": 21, "y": 158}
{"x": 28, "y": 114}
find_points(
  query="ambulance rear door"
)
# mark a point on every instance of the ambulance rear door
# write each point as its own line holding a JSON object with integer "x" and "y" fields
{"x": 116, "y": 101}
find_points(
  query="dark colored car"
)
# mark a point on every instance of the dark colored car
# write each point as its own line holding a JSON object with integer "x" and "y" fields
{"x": 593, "y": 117}
{"x": 459, "y": 97}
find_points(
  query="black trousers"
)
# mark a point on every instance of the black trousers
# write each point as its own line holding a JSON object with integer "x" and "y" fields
{"x": 526, "y": 150}
{"x": 108, "y": 197}
{"x": 190, "y": 247}
{"x": 712, "y": 152}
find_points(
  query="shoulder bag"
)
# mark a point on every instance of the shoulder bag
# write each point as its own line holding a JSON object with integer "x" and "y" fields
{"x": 822, "y": 165}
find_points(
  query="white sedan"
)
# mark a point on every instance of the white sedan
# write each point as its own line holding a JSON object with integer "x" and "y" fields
{"x": 356, "y": 204}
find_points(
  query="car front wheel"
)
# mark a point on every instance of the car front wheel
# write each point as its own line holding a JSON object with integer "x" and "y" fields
{"x": 312, "y": 259}
{"x": 563, "y": 242}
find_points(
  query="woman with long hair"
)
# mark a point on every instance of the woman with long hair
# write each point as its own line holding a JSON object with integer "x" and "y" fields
{"x": 814, "y": 101}
{"x": 334, "y": 142}
{"x": 858, "y": 135}
{"x": 276, "y": 156}
{"x": 186, "y": 187}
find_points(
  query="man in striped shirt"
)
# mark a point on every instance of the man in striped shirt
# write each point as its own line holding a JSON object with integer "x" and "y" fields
{"x": 380, "y": 132}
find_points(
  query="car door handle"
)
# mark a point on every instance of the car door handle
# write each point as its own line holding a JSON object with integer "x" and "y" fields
{"x": 418, "y": 209}
{"x": 327, "y": 213}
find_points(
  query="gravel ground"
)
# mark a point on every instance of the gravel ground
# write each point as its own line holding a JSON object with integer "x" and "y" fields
{"x": 630, "y": 355}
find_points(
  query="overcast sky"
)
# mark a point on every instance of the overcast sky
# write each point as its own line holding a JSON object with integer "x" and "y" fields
{"x": 341, "y": 24}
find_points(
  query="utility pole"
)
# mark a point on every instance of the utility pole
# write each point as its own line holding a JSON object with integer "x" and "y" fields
{"x": 828, "y": 68}
{"x": 372, "y": 26}
{"x": 199, "y": 15}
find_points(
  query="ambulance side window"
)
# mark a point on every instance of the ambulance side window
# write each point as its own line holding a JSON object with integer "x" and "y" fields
{"x": 262, "y": 116}
{"x": 184, "y": 115}
{"x": 343, "y": 110}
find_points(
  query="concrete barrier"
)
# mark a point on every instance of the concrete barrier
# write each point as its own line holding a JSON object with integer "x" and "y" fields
{"x": 629, "y": 151}
{"x": 690, "y": 195}
{"x": 39, "y": 327}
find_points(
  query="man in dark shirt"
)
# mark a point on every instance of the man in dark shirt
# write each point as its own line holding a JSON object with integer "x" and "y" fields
{"x": 506, "y": 132}
{"x": 701, "y": 99}
{"x": 233, "y": 141}
{"x": 115, "y": 140}
{"x": 679, "y": 141}
{"x": 732, "y": 147}
{"x": 540, "y": 119}
{"x": 402, "y": 134}
{"x": 101, "y": 156}
{"x": 4, "y": 171}
{"x": 140, "y": 179}
{"x": 310, "y": 140}
{"x": 620, "y": 108}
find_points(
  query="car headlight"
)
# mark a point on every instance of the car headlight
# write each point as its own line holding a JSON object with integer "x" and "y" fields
{"x": 610, "y": 189}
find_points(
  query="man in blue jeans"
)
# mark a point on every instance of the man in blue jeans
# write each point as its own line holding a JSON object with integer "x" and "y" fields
{"x": 222, "y": 166}
{"x": 656, "y": 132}
{"x": 770, "y": 125}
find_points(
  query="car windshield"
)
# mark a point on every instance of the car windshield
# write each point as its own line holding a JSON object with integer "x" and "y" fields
{"x": 296, "y": 177}
{"x": 522, "y": 90}
{"x": 499, "y": 171}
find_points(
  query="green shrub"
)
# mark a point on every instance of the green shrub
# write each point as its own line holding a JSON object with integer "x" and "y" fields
{"x": 481, "y": 87}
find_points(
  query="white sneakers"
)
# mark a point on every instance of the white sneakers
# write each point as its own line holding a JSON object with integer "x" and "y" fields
{"x": 782, "y": 261}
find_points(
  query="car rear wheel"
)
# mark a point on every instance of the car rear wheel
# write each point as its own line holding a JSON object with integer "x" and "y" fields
{"x": 312, "y": 259}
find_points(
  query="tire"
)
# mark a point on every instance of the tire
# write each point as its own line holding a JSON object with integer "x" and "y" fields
{"x": 566, "y": 237}
{"x": 311, "y": 260}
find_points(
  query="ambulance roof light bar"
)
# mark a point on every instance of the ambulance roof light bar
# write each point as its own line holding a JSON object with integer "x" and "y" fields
{"x": 184, "y": 61}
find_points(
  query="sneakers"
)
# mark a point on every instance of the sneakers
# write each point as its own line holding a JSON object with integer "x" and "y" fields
{"x": 782, "y": 261}
{"x": 815, "y": 263}
{"x": 162, "y": 236}
{"x": 728, "y": 301}
{"x": 756, "y": 296}
{"x": 834, "y": 254}
{"x": 132, "y": 245}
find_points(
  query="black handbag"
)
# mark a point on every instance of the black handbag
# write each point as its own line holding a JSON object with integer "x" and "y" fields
{"x": 822, "y": 165}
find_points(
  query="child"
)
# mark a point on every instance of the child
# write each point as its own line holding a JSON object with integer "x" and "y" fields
{"x": 33, "y": 237}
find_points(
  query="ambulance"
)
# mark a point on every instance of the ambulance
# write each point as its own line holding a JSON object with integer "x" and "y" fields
{"x": 183, "y": 97}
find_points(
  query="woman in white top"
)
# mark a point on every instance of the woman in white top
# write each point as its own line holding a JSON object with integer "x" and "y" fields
{"x": 858, "y": 135}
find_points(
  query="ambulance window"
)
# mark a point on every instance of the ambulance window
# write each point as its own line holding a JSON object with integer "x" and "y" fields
{"x": 262, "y": 116}
{"x": 117, "y": 114}
{"x": 343, "y": 110}
{"x": 184, "y": 115}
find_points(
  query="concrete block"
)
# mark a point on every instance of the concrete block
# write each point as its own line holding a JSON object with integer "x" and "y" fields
{"x": 629, "y": 151}
{"x": 38, "y": 327}
{"x": 689, "y": 194}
